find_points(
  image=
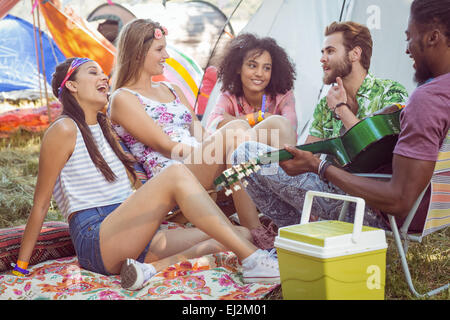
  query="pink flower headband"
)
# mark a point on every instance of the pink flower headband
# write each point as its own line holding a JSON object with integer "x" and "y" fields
{"x": 158, "y": 33}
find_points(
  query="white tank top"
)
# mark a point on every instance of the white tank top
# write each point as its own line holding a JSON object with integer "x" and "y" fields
{"x": 80, "y": 185}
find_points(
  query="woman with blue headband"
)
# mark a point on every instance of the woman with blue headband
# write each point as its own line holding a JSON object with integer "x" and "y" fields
{"x": 115, "y": 230}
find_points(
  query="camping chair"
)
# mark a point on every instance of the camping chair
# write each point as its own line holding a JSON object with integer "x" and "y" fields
{"x": 438, "y": 215}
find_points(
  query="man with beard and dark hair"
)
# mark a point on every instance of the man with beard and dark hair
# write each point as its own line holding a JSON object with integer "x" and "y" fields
{"x": 356, "y": 93}
{"x": 426, "y": 15}
{"x": 425, "y": 124}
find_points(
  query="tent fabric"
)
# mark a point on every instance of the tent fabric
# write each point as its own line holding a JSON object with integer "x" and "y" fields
{"x": 298, "y": 26}
{"x": 209, "y": 80}
{"x": 105, "y": 11}
{"x": 18, "y": 69}
{"x": 387, "y": 21}
{"x": 29, "y": 119}
{"x": 184, "y": 72}
{"x": 5, "y": 6}
{"x": 196, "y": 24}
{"x": 75, "y": 40}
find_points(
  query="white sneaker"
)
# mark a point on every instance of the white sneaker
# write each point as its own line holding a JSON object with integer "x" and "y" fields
{"x": 135, "y": 274}
{"x": 261, "y": 266}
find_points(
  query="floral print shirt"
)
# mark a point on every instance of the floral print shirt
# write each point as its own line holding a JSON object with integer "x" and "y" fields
{"x": 373, "y": 95}
{"x": 175, "y": 120}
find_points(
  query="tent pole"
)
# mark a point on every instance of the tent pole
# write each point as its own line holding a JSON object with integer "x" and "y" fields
{"x": 214, "y": 49}
{"x": 36, "y": 52}
{"x": 342, "y": 11}
{"x": 43, "y": 67}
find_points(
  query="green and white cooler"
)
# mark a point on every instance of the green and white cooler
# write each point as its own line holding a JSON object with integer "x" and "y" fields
{"x": 332, "y": 260}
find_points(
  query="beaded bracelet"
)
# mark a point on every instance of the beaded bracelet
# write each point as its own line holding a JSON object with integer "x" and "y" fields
{"x": 260, "y": 116}
{"x": 251, "y": 119}
{"x": 320, "y": 166}
{"x": 324, "y": 164}
{"x": 18, "y": 271}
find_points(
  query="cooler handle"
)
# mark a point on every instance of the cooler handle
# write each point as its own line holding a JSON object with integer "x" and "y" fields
{"x": 359, "y": 211}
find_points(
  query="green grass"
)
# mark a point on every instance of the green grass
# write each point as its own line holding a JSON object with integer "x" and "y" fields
{"x": 429, "y": 261}
{"x": 19, "y": 161}
{"x": 429, "y": 265}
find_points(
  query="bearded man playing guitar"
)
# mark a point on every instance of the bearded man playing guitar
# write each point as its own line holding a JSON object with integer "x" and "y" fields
{"x": 425, "y": 122}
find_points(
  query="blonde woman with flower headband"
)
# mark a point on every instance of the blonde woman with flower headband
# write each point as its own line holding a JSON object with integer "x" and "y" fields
{"x": 156, "y": 122}
{"x": 113, "y": 229}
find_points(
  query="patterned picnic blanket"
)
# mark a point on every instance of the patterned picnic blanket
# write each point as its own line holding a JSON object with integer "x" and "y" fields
{"x": 211, "y": 277}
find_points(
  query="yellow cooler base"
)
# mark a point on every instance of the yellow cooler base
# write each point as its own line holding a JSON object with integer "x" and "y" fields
{"x": 355, "y": 277}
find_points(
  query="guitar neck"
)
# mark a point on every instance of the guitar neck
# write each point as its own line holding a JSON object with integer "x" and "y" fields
{"x": 363, "y": 148}
{"x": 331, "y": 146}
{"x": 234, "y": 174}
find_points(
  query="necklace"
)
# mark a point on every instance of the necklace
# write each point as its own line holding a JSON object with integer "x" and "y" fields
{"x": 240, "y": 103}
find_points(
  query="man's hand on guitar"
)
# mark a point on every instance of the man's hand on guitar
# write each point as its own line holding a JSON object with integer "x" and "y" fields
{"x": 303, "y": 161}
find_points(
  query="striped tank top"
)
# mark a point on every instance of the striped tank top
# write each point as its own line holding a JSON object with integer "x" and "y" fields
{"x": 80, "y": 185}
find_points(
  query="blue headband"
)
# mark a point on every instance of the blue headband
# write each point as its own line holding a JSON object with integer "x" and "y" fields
{"x": 73, "y": 66}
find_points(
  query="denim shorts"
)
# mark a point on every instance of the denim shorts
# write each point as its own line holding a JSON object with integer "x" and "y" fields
{"x": 84, "y": 228}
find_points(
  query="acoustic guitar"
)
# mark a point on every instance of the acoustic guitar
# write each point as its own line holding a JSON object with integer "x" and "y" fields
{"x": 365, "y": 147}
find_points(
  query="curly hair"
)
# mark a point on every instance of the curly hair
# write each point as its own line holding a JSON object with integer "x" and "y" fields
{"x": 283, "y": 69}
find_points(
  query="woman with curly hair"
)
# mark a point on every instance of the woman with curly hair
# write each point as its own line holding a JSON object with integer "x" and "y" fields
{"x": 257, "y": 79}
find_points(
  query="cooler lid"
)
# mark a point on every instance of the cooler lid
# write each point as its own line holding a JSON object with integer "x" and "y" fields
{"x": 329, "y": 238}
{"x": 316, "y": 233}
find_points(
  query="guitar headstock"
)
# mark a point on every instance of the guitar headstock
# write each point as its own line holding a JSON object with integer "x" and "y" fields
{"x": 234, "y": 174}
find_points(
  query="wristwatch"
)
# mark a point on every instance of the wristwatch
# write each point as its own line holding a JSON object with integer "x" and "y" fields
{"x": 340, "y": 104}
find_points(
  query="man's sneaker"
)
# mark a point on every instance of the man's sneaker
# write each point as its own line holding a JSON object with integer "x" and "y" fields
{"x": 261, "y": 266}
{"x": 134, "y": 274}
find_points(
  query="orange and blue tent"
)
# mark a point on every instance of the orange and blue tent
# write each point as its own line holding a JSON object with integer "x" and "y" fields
{"x": 18, "y": 63}
{"x": 74, "y": 38}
